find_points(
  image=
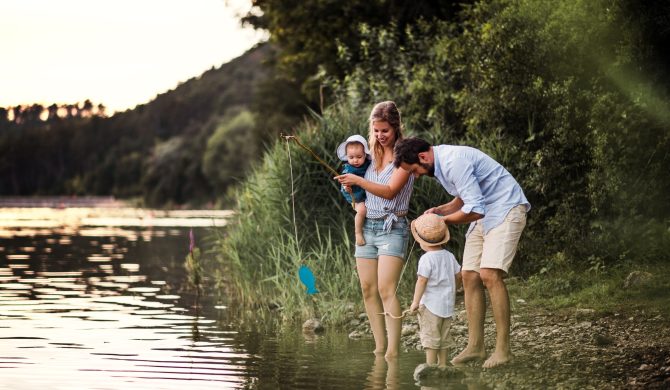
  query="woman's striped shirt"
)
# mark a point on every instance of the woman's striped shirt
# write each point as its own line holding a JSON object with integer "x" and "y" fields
{"x": 379, "y": 207}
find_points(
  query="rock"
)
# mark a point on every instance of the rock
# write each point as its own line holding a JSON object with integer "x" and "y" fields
{"x": 584, "y": 313}
{"x": 637, "y": 279}
{"x": 430, "y": 373}
{"x": 584, "y": 324}
{"x": 312, "y": 325}
{"x": 363, "y": 316}
{"x": 461, "y": 316}
{"x": 357, "y": 334}
{"x": 521, "y": 301}
{"x": 409, "y": 330}
{"x": 602, "y": 340}
{"x": 645, "y": 367}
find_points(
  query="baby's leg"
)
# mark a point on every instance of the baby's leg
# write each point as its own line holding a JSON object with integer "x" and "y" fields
{"x": 359, "y": 220}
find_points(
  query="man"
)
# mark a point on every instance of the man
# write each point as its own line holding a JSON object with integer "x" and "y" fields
{"x": 488, "y": 197}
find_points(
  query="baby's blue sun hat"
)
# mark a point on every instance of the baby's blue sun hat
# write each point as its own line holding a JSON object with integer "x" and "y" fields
{"x": 342, "y": 149}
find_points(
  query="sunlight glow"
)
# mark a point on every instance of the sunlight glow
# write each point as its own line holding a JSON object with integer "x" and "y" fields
{"x": 116, "y": 52}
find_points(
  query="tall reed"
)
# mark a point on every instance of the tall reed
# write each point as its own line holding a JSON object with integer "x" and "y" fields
{"x": 259, "y": 256}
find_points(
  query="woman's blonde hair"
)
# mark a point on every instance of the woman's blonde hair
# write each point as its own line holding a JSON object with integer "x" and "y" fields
{"x": 387, "y": 112}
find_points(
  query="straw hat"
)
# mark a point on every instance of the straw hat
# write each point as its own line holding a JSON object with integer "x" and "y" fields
{"x": 430, "y": 230}
{"x": 342, "y": 148}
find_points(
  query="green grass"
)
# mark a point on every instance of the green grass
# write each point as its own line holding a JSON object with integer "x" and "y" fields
{"x": 257, "y": 257}
{"x": 601, "y": 289}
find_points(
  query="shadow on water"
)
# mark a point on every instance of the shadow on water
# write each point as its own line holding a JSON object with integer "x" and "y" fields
{"x": 106, "y": 308}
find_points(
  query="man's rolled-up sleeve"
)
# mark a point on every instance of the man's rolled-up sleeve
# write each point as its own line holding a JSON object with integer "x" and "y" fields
{"x": 468, "y": 188}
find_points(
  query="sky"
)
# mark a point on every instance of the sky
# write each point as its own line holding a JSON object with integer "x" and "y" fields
{"x": 119, "y": 53}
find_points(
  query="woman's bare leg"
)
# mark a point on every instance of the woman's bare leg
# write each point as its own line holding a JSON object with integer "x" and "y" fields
{"x": 388, "y": 272}
{"x": 367, "y": 274}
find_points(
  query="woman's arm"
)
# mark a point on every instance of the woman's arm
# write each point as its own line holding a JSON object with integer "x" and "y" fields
{"x": 398, "y": 180}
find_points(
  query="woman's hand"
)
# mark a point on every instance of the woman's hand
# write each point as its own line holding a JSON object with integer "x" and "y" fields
{"x": 432, "y": 210}
{"x": 349, "y": 179}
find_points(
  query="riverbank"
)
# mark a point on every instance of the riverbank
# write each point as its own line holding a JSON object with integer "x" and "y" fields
{"x": 626, "y": 346}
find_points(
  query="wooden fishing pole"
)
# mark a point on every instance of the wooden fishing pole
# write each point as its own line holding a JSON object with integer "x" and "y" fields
{"x": 320, "y": 160}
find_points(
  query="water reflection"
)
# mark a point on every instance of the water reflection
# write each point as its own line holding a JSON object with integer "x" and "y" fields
{"x": 383, "y": 375}
{"x": 104, "y": 307}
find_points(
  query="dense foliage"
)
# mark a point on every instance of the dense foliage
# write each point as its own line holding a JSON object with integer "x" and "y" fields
{"x": 570, "y": 96}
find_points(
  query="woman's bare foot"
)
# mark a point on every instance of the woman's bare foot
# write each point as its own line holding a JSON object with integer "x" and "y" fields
{"x": 497, "y": 359}
{"x": 467, "y": 355}
{"x": 391, "y": 354}
{"x": 360, "y": 239}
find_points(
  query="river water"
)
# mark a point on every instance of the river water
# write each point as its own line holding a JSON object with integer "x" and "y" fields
{"x": 97, "y": 299}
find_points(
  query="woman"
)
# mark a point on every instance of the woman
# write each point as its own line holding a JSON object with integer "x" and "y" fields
{"x": 380, "y": 261}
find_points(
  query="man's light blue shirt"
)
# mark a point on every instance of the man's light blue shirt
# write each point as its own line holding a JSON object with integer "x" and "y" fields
{"x": 482, "y": 183}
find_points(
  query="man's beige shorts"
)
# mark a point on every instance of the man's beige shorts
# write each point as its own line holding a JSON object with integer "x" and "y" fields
{"x": 497, "y": 248}
{"x": 433, "y": 330}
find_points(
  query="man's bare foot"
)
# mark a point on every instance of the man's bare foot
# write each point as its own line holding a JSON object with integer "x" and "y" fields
{"x": 360, "y": 240}
{"x": 468, "y": 355}
{"x": 497, "y": 359}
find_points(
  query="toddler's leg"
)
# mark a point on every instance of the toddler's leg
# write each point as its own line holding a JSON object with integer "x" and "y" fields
{"x": 359, "y": 220}
{"x": 431, "y": 356}
{"x": 442, "y": 357}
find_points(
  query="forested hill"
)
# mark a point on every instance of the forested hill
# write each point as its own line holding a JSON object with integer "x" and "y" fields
{"x": 157, "y": 152}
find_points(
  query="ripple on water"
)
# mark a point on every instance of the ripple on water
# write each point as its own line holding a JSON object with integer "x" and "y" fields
{"x": 76, "y": 317}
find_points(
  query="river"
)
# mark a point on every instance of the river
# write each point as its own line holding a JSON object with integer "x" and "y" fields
{"x": 96, "y": 298}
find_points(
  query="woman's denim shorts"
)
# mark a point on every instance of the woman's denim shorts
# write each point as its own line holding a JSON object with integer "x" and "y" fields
{"x": 378, "y": 243}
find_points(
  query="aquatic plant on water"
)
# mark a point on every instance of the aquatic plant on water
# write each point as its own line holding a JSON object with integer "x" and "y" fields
{"x": 193, "y": 265}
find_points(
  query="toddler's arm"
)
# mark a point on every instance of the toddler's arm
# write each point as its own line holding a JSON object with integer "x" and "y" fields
{"x": 459, "y": 281}
{"x": 418, "y": 292}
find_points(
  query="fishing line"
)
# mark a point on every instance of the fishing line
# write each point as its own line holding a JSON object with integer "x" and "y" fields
{"x": 406, "y": 312}
{"x": 290, "y": 164}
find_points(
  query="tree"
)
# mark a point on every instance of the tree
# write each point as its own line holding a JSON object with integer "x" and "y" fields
{"x": 230, "y": 151}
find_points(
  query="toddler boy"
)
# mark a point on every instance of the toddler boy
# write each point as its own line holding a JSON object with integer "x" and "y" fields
{"x": 435, "y": 292}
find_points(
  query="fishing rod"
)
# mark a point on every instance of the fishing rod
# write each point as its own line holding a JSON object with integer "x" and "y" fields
{"x": 320, "y": 160}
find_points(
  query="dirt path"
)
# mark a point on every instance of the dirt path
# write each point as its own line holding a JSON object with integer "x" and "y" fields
{"x": 570, "y": 349}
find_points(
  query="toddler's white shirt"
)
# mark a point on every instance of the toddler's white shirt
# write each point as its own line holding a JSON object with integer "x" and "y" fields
{"x": 440, "y": 268}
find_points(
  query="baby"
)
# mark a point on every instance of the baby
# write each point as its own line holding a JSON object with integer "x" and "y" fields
{"x": 356, "y": 153}
{"x": 435, "y": 292}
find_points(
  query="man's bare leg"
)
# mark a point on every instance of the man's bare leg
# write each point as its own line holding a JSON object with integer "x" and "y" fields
{"x": 493, "y": 280}
{"x": 475, "y": 307}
